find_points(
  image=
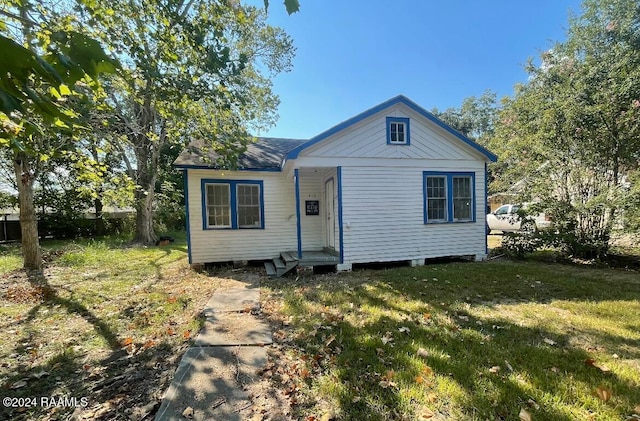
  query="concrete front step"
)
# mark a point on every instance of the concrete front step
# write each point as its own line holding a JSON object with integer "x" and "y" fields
{"x": 210, "y": 380}
{"x": 234, "y": 329}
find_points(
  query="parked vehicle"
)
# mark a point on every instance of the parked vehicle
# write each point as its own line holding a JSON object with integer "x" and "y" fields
{"x": 507, "y": 219}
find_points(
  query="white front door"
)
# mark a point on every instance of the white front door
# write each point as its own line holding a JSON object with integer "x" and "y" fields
{"x": 330, "y": 213}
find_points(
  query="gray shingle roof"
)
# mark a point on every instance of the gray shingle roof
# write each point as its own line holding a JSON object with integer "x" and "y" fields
{"x": 265, "y": 153}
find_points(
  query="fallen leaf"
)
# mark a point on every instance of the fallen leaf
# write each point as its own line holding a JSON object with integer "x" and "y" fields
{"x": 426, "y": 414}
{"x": 404, "y": 329}
{"x": 432, "y": 397}
{"x": 127, "y": 341}
{"x": 148, "y": 344}
{"x": 422, "y": 353}
{"x": 427, "y": 371}
{"x": 40, "y": 374}
{"x": 419, "y": 379}
{"x": 426, "y": 316}
{"x": 384, "y": 384}
{"x": 494, "y": 369}
{"x": 387, "y": 338}
{"x": 637, "y": 409}
{"x": 615, "y": 356}
{"x": 525, "y": 415}
{"x": 188, "y": 413}
{"x": 550, "y": 341}
{"x": 508, "y": 365}
{"x": 170, "y": 331}
{"x": 19, "y": 384}
{"x": 555, "y": 369}
{"x": 330, "y": 340}
{"x": 186, "y": 334}
{"x": 390, "y": 374}
{"x": 590, "y": 361}
{"x": 603, "y": 393}
{"x": 171, "y": 300}
{"x": 356, "y": 399}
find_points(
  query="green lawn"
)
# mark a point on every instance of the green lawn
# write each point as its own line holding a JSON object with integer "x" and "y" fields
{"x": 107, "y": 322}
{"x": 460, "y": 341}
{"x": 463, "y": 341}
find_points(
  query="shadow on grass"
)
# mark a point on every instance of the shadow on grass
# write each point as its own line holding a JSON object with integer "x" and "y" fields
{"x": 66, "y": 373}
{"x": 483, "y": 367}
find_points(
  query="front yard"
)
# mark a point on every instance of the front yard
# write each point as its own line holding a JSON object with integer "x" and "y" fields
{"x": 494, "y": 340}
{"x": 107, "y": 323}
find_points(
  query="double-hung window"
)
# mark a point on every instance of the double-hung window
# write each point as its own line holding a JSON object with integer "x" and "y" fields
{"x": 398, "y": 132}
{"x": 449, "y": 197}
{"x": 232, "y": 204}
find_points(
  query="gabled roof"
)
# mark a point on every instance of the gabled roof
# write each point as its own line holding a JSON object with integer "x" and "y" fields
{"x": 270, "y": 153}
{"x": 400, "y": 99}
{"x": 266, "y": 154}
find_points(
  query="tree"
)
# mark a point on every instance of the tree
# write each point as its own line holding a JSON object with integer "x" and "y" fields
{"x": 43, "y": 63}
{"x": 196, "y": 70}
{"x": 573, "y": 131}
{"x": 475, "y": 118}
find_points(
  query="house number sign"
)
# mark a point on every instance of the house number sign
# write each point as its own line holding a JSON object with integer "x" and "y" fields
{"x": 313, "y": 207}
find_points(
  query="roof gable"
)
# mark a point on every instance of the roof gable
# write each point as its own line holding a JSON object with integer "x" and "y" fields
{"x": 400, "y": 99}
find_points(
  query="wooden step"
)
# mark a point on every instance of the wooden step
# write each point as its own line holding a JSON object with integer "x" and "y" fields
{"x": 278, "y": 263}
{"x": 271, "y": 270}
{"x": 288, "y": 257}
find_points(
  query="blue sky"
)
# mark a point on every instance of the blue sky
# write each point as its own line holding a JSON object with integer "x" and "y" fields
{"x": 354, "y": 54}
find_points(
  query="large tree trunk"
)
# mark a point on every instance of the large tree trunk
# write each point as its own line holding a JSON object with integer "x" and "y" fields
{"x": 28, "y": 219}
{"x": 144, "y": 217}
{"x": 146, "y": 183}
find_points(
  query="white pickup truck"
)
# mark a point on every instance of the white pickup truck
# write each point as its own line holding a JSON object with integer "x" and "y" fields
{"x": 506, "y": 219}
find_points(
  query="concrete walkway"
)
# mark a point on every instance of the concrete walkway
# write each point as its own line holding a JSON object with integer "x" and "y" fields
{"x": 226, "y": 355}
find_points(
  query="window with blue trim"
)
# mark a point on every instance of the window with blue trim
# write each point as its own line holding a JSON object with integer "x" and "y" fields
{"x": 232, "y": 204}
{"x": 398, "y": 131}
{"x": 449, "y": 197}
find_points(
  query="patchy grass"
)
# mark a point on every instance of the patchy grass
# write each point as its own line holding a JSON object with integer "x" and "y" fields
{"x": 106, "y": 322}
{"x": 10, "y": 258}
{"x": 460, "y": 341}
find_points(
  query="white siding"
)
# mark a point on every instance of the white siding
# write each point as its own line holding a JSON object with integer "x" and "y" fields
{"x": 279, "y": 233}
{"x": 368, "y": 139}
{"x": 383, "y": 216}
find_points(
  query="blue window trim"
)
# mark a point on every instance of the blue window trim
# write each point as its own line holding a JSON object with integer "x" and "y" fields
{"x": 448, "y": 175}
{"x": 407, "y": 133}
{"x": 234, "y": 206}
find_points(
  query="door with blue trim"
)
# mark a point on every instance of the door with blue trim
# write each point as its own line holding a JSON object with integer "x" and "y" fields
{"x": 330, "y": 213}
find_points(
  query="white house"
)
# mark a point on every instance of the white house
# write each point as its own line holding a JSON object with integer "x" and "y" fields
{"x": 393, "y": 183}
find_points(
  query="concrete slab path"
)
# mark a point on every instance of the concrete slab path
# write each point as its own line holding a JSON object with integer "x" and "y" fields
{"x": 209, "y": 383}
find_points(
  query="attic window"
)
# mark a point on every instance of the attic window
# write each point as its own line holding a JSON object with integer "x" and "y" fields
{"x": 398, "y": 131}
